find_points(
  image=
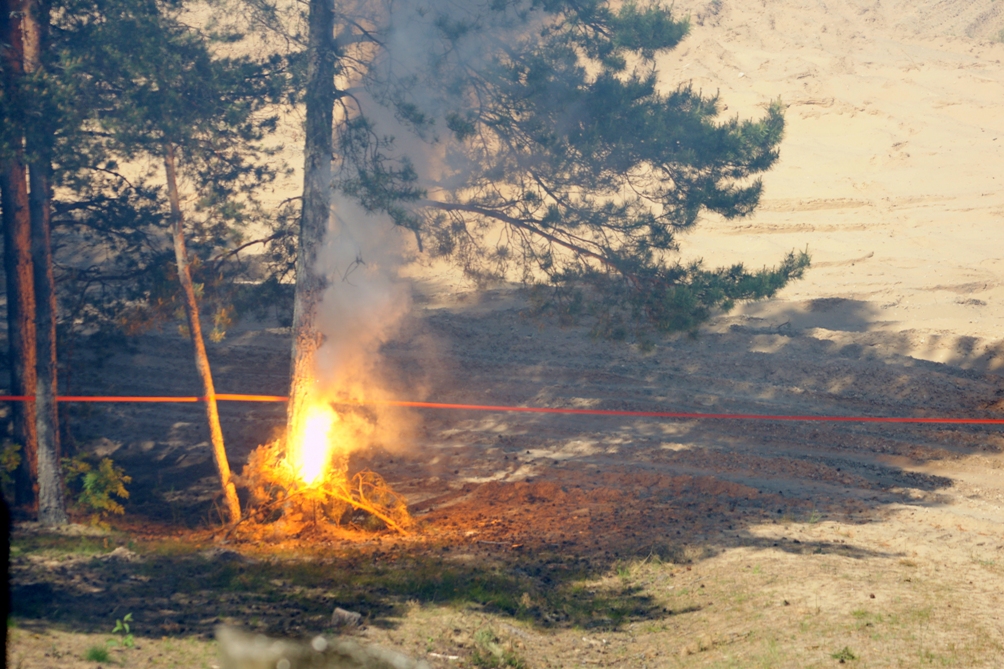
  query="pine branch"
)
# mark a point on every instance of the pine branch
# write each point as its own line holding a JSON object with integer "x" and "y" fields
{"x": 522, "y": 224}
{"x": 218, "y": 260}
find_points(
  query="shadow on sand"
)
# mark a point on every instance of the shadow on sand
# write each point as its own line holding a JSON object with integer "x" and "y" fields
{"x": 529, "y": 516}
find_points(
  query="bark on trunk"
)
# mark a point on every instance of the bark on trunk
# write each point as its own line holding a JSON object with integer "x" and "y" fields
{"x": 195, "y": 329}
{"x": 20, "y": 323}
{"x": 18, "y": 267}
{"x": 310, "y": 285}
{"x": 51, "y": 501}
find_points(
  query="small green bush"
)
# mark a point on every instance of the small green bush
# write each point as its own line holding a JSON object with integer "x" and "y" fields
{"x": 489, "y": 653}
{"x": 122, "y": 627}
{"x": 10, "y": 458}
{"x": 97, "y": 654}
{"x": 93, "y": 488}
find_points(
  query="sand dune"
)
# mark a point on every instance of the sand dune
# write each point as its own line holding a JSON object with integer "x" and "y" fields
{"x": 889, "y": 170}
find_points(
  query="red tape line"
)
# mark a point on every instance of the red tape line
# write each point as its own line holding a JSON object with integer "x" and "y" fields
{"x": 225, "y": 397}
{"x": 222, "y": 397}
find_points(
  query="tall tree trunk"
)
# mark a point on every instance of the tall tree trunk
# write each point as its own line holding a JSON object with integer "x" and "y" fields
{"x": 17, "y": 260}
{"x": 20, "y": 322}
{"x": 320, "y": 97}
{"x": 195, "y": 329}
{"x": 51, "y": 502}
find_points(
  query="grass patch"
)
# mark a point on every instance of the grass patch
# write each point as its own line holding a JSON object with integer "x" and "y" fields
{"x": 97, "y": 654}
{"x": 844, "y": 655}
{"x": 539, "y": 595}
{"x": 170, "y": 548}
{"x": 57, "y": 545}
{"x": 464, "y": 604}
{"x": 547, "y": 593}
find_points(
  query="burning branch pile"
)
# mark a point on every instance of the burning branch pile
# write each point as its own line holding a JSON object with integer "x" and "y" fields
{"x": 302, "y": 483}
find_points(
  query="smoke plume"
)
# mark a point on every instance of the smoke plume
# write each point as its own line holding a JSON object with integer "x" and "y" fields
{"x": 367, "y": 298}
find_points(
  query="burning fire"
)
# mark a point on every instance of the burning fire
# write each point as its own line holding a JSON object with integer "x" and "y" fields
{"x": 312, "y": 444}
{"x": 313, "y": 461}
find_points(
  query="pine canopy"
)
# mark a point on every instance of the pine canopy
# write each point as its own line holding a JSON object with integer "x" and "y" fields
{"x": 568, "y": 167}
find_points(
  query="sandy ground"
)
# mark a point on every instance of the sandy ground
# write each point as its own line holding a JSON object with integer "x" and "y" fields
{"x": 889, "y": 167}
{"x": 669, "y": 543}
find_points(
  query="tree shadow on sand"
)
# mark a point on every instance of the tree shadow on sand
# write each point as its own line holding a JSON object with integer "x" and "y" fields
{"x": 515, "y": 549}
{"x": 532, "y": 516}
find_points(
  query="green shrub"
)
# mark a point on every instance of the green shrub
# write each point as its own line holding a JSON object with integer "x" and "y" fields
{"x": 122, "y": 627}
{"x": 92, "y": 488}
{"x": 97, "y": 654}
{"x": 10, "y": 459}
{"x": 489, "y": 653}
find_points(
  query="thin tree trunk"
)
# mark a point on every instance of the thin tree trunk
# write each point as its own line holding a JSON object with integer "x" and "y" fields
{"x": 51, "y": 502}
{"x": 195, "y": 329}
{"x": 17, "y": 264}
{"x": 310, "y": 285}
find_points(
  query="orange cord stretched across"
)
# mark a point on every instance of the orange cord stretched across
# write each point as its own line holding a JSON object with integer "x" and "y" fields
{"x": 680, "y": 415}
{"x": 222, "y": 397}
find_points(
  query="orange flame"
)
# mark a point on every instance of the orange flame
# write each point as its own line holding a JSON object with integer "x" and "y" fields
{"x": 311, "y": 453}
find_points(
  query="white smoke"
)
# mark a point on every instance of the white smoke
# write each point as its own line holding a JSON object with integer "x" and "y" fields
{"x": 364, "y": 253}
{"x": 365, "y": 298}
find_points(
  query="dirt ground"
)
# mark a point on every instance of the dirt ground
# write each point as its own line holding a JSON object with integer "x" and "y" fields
{"x": 571, "y": 540}
{"x": 574, "y": 541}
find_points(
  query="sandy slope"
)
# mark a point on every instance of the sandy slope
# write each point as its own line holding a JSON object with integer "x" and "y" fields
{"x": 889, "y": 170}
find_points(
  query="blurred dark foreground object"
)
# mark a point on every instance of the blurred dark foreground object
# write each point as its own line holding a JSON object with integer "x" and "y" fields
{"x": 5, "y": 594}
{"x": 240, "y": 650}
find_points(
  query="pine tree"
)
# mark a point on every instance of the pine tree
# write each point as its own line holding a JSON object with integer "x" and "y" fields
{"x": 568, "y": 167}
{"x": 170, "y": 99}
{"x": 572, "y": 169}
